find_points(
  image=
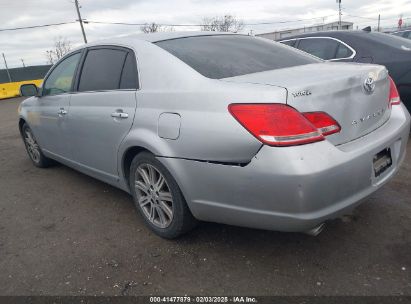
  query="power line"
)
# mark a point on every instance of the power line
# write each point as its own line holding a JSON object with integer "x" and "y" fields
{"x": 177, "y": 25}
{"x": 376, "y": 18}
{"x": 368, "y": 18}
{"x": 117, "y": 23}
{"x": 140, "y": 24}
{"x": 35, "y": 26}
{"x": 288, "y": 21}
{"x": 187, "y": 25}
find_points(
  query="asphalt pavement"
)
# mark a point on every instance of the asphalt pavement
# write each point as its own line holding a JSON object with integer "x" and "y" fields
{"x": 64, "y": 233}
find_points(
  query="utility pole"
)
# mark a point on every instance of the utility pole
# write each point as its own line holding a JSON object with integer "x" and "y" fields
{"x": 23, "y": 62}
{"x": 379, "y": 20}
{"x": 339, "y": 15}
{"x": 80, "y": 20}
{"x": 7, "y": 68}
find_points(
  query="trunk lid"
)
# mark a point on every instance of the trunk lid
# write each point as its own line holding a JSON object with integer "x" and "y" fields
{"x": 335, "y": 88}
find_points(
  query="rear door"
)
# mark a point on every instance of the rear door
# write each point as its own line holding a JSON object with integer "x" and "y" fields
{"x": 102, "y": 110}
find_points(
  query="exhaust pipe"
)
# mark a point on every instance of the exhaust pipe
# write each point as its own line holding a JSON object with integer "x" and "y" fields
{"x": 316, "y": 230}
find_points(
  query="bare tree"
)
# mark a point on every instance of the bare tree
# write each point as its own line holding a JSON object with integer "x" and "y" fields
{"x": 150, "y": 28}
{"x": 227, "y": 23}
{"x": 155, "y": 27}
{"x": 61, "y": 47}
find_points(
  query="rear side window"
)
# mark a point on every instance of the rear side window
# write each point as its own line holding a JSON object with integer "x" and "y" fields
{"x": 343, "y": 51}
{"x": 222, "y": 56}
{"x": 102, "y": 70}
{"x": 323, "y": 48}
{"x": 289, "y": 42}
{"x": 129, "y": 78}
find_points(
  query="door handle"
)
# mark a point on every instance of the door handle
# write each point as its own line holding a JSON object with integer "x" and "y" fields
{"x": 61, "y": 112}
{"x": 119, "y": 115}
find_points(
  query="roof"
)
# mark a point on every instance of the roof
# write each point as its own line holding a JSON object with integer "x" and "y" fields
{"x": 308, "y": 27}
{"x": 155, "y": 37}
{"x": 332, "y": 34}
{"x": 401, "y": 31}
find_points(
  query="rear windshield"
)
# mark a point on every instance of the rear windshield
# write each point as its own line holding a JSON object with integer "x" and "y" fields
{"x": 225, "y": 56}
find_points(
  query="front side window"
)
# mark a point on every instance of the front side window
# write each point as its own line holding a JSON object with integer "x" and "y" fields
{"x": 222, "y": 56}
{"x": 323, "y": 48}
{"x": 102, "y": 70}
{"x": 61, "y": 78}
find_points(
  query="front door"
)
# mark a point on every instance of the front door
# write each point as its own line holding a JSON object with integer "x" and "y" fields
{"x": 48, "y": 119}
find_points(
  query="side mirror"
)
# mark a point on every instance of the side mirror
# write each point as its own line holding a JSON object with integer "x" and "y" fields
{"x": 28, "y": 90}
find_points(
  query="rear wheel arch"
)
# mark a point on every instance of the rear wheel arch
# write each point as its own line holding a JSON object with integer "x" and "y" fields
{"x": 138, "y": 141}
{"x": 128, "y": 157}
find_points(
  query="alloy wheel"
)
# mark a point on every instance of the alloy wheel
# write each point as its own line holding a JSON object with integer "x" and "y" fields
{"x": 32, "y": 146}
{"x": 154, "y": 195}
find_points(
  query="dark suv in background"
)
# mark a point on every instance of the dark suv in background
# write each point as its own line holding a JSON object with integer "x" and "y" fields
{"x": 404, "y": 34}
{"x": 364, "y": 47}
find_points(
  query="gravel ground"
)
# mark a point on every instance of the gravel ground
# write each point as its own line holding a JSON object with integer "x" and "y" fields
{"x": 64, "y": 233}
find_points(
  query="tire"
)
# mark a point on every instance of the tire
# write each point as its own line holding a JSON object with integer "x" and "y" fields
{"x": 33, "y": 149}
{"x": 158, "y": 197}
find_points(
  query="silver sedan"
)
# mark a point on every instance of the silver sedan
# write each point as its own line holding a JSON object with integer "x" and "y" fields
{"x": 219, "y": 127}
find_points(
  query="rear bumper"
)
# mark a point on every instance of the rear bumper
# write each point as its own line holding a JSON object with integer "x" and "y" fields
{"x": 292, "y": 188}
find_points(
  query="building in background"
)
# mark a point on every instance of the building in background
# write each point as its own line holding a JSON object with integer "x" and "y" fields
{"x": 314, "y": 28}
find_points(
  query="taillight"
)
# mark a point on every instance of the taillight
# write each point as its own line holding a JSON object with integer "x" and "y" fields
{"x": 282, "y": 125}
{"x": 323, "y": 122}
{"x": 394, "y": 95}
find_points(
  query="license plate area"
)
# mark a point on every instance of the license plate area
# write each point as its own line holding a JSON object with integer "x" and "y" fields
{"x": 382, "y": 162}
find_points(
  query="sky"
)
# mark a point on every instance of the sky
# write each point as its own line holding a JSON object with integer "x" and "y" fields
{"x": 31, "y": 44}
